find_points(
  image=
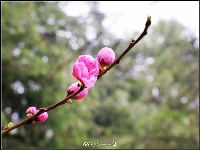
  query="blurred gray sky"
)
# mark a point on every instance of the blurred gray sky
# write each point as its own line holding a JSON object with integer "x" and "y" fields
{"x": 125, "y": 17}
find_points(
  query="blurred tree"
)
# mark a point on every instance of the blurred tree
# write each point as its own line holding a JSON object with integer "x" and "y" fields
{"x": 38, "y": 39}
{"x": 157, "y": 84}
{"x": 149, "y": 100}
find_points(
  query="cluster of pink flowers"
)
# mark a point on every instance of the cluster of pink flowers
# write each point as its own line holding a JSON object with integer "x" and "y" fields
{"x": 32, "y": 111}
{"x": 86, "y": 69}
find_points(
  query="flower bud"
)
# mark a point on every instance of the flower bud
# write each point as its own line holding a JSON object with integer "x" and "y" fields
{"x": 29, "y": 113}
{"x": 42, "y": 117}
{"x": 74, "y": 88}
{"x": 31, "y": 110}
{"x": 105, "y": 56}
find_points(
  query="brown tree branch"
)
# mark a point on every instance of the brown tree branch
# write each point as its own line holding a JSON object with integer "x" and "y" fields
{"x": 61, "y": 102}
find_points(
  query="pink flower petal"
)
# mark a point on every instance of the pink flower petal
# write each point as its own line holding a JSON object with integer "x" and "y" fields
{"x": 82, "y": 94}
{"x": 79, "y": 71}
{"x": 85, "y": 58}
{"x": 76, "y": 71}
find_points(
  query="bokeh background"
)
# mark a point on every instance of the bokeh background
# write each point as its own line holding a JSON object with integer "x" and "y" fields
{"x": 149, "y": 100}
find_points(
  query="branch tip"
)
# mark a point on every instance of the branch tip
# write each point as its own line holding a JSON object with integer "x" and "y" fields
{"x": 149, "y": 18}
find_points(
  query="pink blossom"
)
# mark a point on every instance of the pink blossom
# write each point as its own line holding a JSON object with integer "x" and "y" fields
{"x": 86, "y": 70}
{"x": 31, "y": 110}
{"x": 42, "y": 117}
{"x": 91, "y": 64}
{"x": 80, "y": 71}
{"x": 74, "y": 88}
{"x": 105, "y": 56}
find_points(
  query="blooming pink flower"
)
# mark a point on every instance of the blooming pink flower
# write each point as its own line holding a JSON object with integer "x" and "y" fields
{"x": 86, "y": 70}
{"x": 74, "y": 88}
{"x": 105, "y": 56}
{"x": 31, "y": 110}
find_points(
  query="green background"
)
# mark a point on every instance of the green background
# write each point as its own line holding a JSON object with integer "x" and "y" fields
{"x": 149, "y": 100}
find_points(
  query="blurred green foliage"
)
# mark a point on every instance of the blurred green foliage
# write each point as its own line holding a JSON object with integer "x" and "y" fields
{"x": 149, "y": 100}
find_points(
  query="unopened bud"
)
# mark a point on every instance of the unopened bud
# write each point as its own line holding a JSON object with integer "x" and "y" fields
{"x": 105, "y": 56}
{"x": 149, "y": 18}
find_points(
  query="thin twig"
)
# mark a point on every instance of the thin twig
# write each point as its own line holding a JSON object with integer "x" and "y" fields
{"x": 132, "y": 43}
